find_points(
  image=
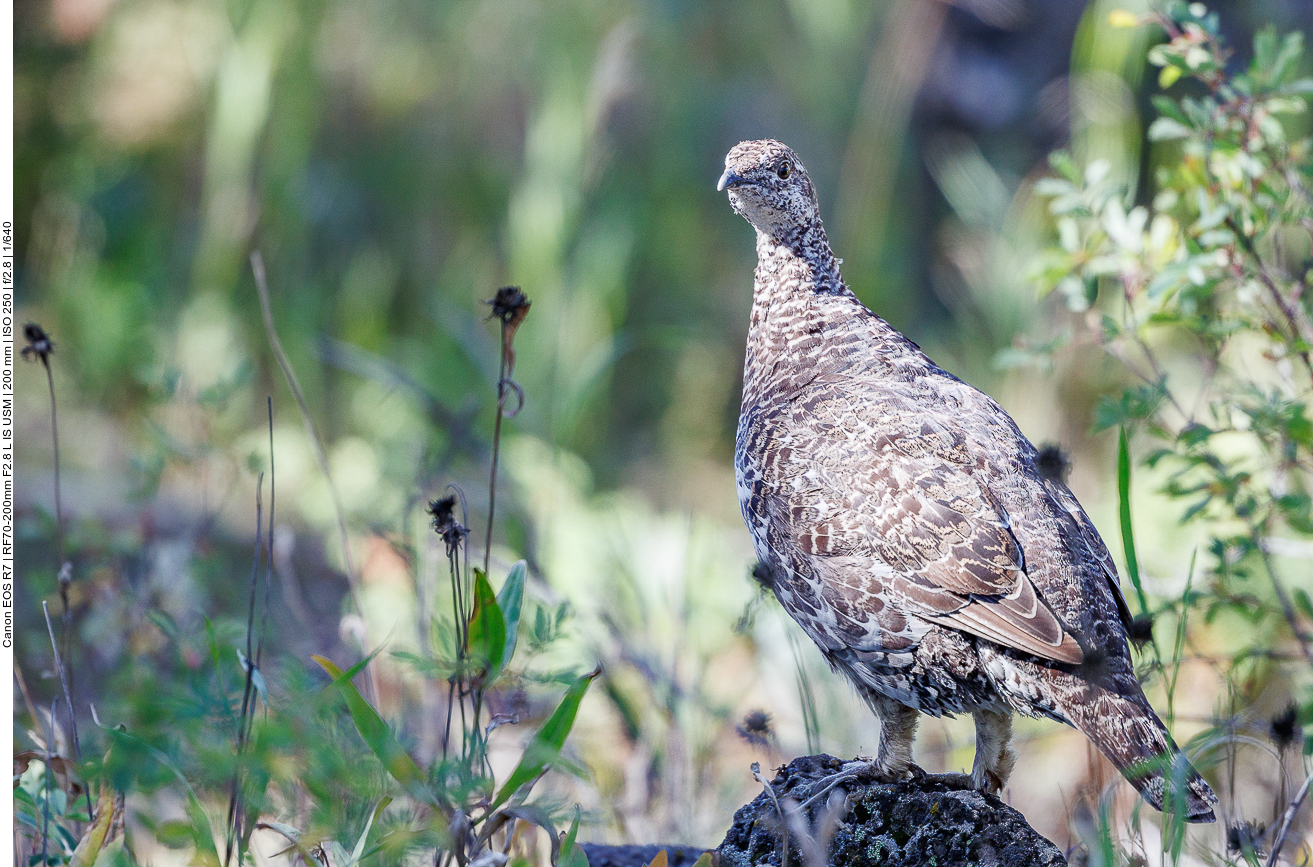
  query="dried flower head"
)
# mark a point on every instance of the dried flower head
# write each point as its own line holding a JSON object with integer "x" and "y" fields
{"x": 756, "y": 728}
{"x": 1140, "y": 630}
{"x": 1284, "y": 727}
{"x": 1245, "y": 837}
{"x": 510, "y": 305}
{"x": 445, "y": 523}
{"x": 39, "y": 344}
{"x": 1053, "y": 463}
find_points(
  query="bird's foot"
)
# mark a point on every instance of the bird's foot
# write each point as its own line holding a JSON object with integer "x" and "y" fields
{"x": 948, "y": 780}
{"x": 865, "y": 769}
{"x": 985, "y": 780}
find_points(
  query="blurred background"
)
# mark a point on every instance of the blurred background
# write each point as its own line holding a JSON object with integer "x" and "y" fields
{"x": 395, "y": 162}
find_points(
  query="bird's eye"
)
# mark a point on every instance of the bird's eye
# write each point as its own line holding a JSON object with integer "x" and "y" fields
{"x": 783, "y": 170}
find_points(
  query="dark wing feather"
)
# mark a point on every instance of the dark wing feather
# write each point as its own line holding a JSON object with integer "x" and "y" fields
{"x": 1084, "y": 530}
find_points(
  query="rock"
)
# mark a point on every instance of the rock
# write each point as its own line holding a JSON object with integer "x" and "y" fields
{"x": 922, "y": 821}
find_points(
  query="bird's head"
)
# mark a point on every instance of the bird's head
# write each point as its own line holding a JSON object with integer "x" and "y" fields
{"x": 769, "y": 187}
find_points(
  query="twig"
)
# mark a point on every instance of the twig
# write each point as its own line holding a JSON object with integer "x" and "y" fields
{"x": 1291, "y": 315}
{"x": 266, "y": 311}
{"x": 41, "y": 347}
{"x": 1287, "y": 819}
{"x": 45, "y": 807}
{"x": 1287, "y": 607}
{"x": 68, "y": 698}
{"x": 784, "y": 820}
{"x": 235, "y": 791}
{"x": 269, "y": 562}
{"x": 510, "y": 306}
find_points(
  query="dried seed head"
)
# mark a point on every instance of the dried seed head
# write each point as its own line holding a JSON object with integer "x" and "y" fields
{"x": 756, "y": 728}
{"x": 39, "y": 344}
{"x": 510, "y": 305}
{"x": 1284, "y": 727}
{"x": 1245, "y": 836}
{"x": 1053, "y": 463}
{"x": 445, "y": 523}
{"x": 1140, "y": 631}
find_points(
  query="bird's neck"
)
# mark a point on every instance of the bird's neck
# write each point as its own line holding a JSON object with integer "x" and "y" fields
{"x": 798, "y": 260}
{"x": 804, "y": 317}
{"x": 797, "y": 287}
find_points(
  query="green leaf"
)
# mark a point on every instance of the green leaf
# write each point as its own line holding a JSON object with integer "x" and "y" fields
{"x": 376, "y": 734}
{"x": 1167, "y": 107}
{"x": 1303, "y": 603}
{"x": 572, "y": 855}
{"x": 511, "y": 601}
{"x": 1135, "y": 404}
{"x": 1287, "y": 59}
{"x": 164, "y": 623}
{"x": 1124, "y": 511}
{"x": 1166, "y": 128}
{"x": 487, "y": 632}
{"x": 1194, "y": 434}
{"x": 547, "y": 742}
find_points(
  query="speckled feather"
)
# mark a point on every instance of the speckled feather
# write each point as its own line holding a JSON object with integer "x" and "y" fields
{"x": 900, "y": 514}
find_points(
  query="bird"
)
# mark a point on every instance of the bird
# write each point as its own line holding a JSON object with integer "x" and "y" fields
{"x": 904, "y": 521}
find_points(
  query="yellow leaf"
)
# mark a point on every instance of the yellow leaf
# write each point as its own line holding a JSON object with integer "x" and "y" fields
{"x": 659, "y": 860}
{"x": 1123, "y": 18}
{"x": 1168, "y": 76}
{"x": 94, "y": 839}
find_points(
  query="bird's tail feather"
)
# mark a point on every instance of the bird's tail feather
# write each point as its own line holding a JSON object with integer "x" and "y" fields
{"x": 1130, "y": 734}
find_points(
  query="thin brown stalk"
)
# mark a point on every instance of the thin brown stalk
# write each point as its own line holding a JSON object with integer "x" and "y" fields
{"x": 1283, "y": 599}
{"x": 269, "y": 548}
{"x": 316, "y": 444}
{"x": 1286, "y": 821}
{"x": 312, "y": 433}
{"x": 779, "y": 811}
{"x": 68, "y": 698}
{"x": 45, "y": 807}
{"x": 1288, "y": 312}
{"x": 234, "y": 823}
{"x": 496, "y": 450}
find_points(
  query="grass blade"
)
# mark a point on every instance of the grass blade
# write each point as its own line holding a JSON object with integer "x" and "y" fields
{"x": 1124, "y": 512}
{"x": 360, "y": 844}
{"x": 546, "y": 744}
{"x": 378, "y": 737}
{"x": 572, "y": 854}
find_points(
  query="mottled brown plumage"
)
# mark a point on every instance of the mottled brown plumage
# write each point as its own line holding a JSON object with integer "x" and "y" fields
{"x": 903, "y": 521}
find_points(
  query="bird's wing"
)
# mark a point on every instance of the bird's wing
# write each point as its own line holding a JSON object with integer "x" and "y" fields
{"x": 1094, "y": 543}
{"x": 899, "y": 491}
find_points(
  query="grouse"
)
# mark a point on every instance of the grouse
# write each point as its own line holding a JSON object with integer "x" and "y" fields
{"x": 902, "y": 521}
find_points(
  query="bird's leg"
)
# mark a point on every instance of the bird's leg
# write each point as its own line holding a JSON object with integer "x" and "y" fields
{"x": 897, "y": 731}
{"x": 994, "y": 755}
{"x": 893, "y": 761}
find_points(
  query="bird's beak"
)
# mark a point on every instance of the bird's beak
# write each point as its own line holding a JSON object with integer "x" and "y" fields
{"x": 729, "y": 179}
